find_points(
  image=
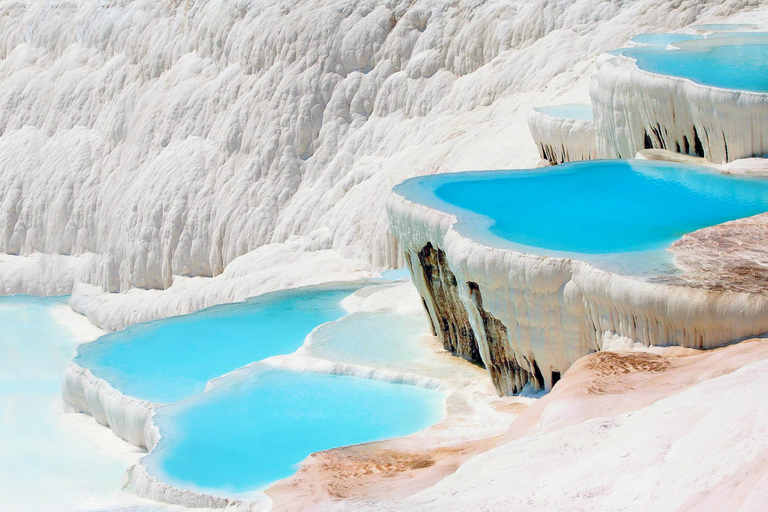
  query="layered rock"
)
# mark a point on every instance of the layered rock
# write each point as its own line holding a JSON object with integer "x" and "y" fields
{"x": 448, "y": 319}
{"x": 128, "y": 417}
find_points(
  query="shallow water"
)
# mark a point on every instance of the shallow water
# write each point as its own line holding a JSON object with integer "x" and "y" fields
{"x": 242, "y": 436}
{"x": 725, "y": 62}
{"x": 397, "y": 274}
{"x": 625, "y": 209}
{"x": 381, "y": 339}
{"x": 46, "y": 464}
{"x": 579, "y": 111}
{"x": 171, "y": 359}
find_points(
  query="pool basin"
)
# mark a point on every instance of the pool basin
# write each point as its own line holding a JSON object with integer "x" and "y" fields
{"x": 616, "y": 214}
{"x": 245, "y": 434}
{"x": 171, "y": 359}
{"x": 736, "y": 62}
{"x": 527, "y": 271}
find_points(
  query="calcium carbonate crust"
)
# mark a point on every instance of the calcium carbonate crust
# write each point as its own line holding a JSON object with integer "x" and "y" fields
{"x": 531, "y": 317}
{"x": 635, "y": 110}
{"x": 132, "y": 419}
{"x": 170, "y": 138}
{"x": 147, "y": 486}
{"x": 562, "y": 140}
{"x": 128, "y": 417}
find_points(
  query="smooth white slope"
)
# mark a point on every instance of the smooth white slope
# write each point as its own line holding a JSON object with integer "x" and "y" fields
{"x": 707, "y": 443}
{"x": 169, "y": 138}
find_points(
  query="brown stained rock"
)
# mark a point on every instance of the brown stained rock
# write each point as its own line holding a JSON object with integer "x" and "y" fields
{"x": 450, "y": 322}
{"x": 728, "y": 257}
{"x": 370, "y": 471}
{"x": 507, "y": 374}
{"x": 453, "y": 328}
{"x": 609, "y": 368}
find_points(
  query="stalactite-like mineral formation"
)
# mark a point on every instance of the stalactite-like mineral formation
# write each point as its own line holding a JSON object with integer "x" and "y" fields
{"x": 635, "y": 110}
{"x": 562, "y": 139}
{"x": 531, "y": 317}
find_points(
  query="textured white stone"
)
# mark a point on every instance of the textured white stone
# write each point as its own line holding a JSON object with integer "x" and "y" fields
{"x": 701, "y": 449}
{"x": 557, "y": 310}
{"x": 170, "y": 138}
{"x": 562, "y": 140}
{"x": 630, "y": 103}
{"x": 128, "y": 417}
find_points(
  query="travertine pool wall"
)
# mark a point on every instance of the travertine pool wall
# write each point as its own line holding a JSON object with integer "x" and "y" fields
{"x": 527, "y": 318}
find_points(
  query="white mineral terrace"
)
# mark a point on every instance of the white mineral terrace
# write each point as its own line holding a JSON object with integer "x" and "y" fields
{"x": 158, "y": 157}
{"x": 532, "y": 317}
{"x": 562, "y": 138}
{"x": 470, "y": 409}
{"x": 635, "y": 109}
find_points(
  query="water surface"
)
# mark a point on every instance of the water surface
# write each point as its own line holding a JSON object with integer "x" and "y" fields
{"x": 380, "y": 339}
{"x": 579, "y": 111}
{"x": 173, "y": 358}
{"x": 662, "y": 39}
{"x": 46, "y": 463}
{"x": 243, "y": 435}
{"x": 727, "y": 62}
{"x": 617, "y": 207}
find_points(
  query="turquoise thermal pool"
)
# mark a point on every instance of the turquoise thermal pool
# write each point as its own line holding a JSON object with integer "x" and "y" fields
{"x": 739, "y": 63}
{"x": 170, "y": 359}
{"x": 628, "y": 210}
{"x": 579, "y": 111}
{"x": 241, "y": 436}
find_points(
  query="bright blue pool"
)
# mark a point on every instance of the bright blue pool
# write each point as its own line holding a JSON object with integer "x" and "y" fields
{"x": 242, "y": 436}
{"x": 616, "y": 207}
{"x": 579, "y": 111}
{"x": 171, "y": 359}
{"x": 739, "y": 63}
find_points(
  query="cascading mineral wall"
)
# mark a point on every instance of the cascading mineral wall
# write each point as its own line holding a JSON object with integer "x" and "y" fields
{"x": 533, "y": 316}
{"x": 128, "y": 417}
{"x": 636, "y": 110}
{"x": 168, "y": 138}
{"x": 562, "y": 140}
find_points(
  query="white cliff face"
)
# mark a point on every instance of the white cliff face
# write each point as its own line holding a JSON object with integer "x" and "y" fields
{"x": 562, "y": 140}
{"x": 169, "y": 138}
{"x": 635, "y": 110}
